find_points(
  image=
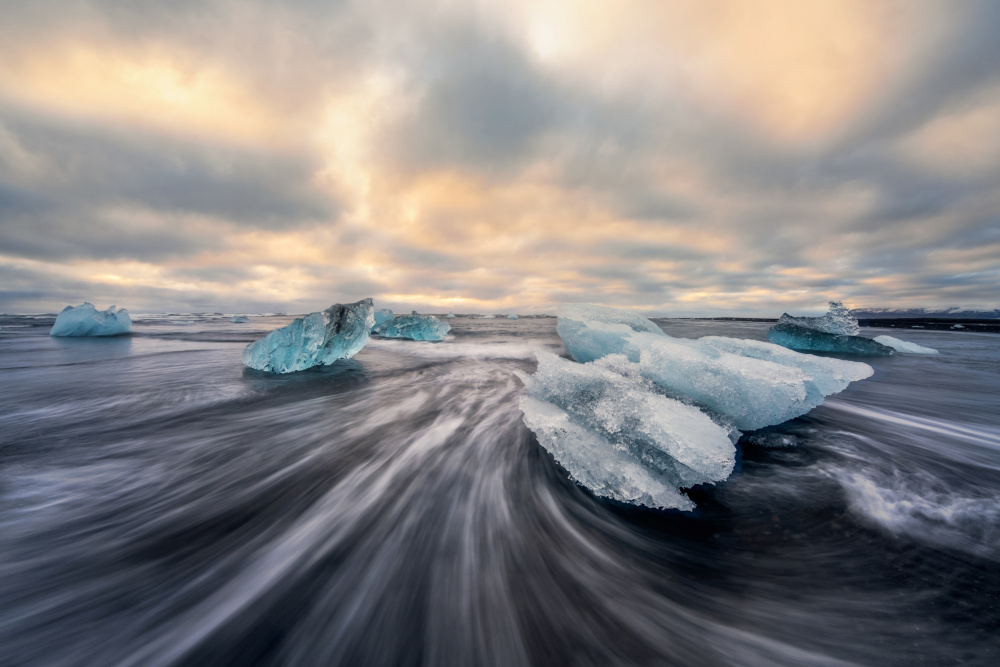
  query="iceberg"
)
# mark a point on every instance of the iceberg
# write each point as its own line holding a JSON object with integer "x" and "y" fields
{"x": 488, "y": 317}
{"x": 837, "y": 331}
{"x": 512, "y": 316}
{"x": 643, "y": 415}
{"x": 450, "y": 316}
{"x": 240, "y": 319}
{"x": 85, "y": 320}
{"x": 381, "y": 316}
{"x": 616, "y": 435}
{"x": 318, "y": 339}
{"x": 904, "y": 346}
{"x": 838, "y": 321}
{"x": 414, "y": 327}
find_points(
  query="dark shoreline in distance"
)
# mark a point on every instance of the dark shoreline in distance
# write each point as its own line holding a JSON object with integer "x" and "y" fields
{"x": 933, "y": 323}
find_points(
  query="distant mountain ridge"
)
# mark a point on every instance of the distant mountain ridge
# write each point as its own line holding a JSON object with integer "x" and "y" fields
{"x": 951, "y": 313}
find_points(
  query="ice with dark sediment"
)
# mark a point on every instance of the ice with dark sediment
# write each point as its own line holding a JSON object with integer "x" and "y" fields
{"x": 836, "y": 331}
{"x": 904, "y": 346}
{"x": 382, "y": 315}
{"x": 414, "y": 327}
{"x": 86, "y": 320}
{"x": 627, "y": 365}
{"x": 318, "y": 339}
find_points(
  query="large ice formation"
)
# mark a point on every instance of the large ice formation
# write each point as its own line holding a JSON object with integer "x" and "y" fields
{"x": 382, "y": 315}
{"x": 613, "y": 433}
{"x": 318, "y": 339}
{"x": 414, "y": 327}
{"x": 85, "y": 320}
{"x": 904, "y": 346}
{"x": 837, "y": 331}
{"x": 240, "y": 319}
{"x": 603, "y": 418}
{"x": 512, "y": 316}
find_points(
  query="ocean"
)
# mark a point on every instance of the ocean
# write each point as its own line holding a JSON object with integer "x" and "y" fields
{"x": 161, "y": 504}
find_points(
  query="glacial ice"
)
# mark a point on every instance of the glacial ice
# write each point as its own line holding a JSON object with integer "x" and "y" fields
{"x": 613, "y": 433}
{"x": 450, "y": 316}
{"x": 838, "y": 321}
{"x": 414, "y": 327}
{"x": 240, "y": 319}
{"x": 795, "y": 337}
{"x": 837, "y": 331}
{"x": 604, "y": 418}
{"x": 381, "y": 316}
{"x": 488, "y": 317}
{"x": 512, "y": 316}
{"x": 904, "y": 346}
{"x": 318, "y": 339}
{"x": 85, "y": 320}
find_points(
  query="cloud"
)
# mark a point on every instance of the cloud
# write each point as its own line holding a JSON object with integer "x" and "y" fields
{"x": 676, "y": 157}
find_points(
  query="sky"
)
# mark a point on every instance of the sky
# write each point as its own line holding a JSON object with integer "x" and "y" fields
{"x": 689, "y": 157}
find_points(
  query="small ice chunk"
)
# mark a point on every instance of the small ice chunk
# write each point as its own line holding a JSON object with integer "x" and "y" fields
{"x": 904, "y": 346}
{"x": 450, "y": 316}
{"x": 838, "y": 321}
{"x": 318, "y": 339}
{"x": 240, "y": 319}
{"x": 414, "y": 327}
{"x": 957, "y": 326}
{"x": 85, "y": 320}
{"x": 382, "y": 315}
{"x": 617, "y": 435}
{"x": 512, "y": 316}
{"x": 488, "y": 317}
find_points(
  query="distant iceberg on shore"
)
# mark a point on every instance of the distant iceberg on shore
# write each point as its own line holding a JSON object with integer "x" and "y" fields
{"x": 240, "y": 319}
{"x": 904, "y": 346}
{"x": 512, "y": 316}
{"x": 450, "y": 316}
{"x": 414, "y": 327}
{"x": 488, "y": 317}
{"x": 643, "y": 415}
{"x": 86, "y": 320}
{"x": 318, "y": 339}
{"x": 837, "y": 332}
{"x": 381, "y": 316}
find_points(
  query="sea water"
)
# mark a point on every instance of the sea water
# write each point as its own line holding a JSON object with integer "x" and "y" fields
{"x": 162, "y": 504}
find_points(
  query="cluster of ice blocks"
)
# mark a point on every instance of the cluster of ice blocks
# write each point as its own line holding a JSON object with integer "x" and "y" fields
{"x": 318, "y": 339}
{"x": 837, "y": 331}
{"x": 413, "y": 326}
{"x": 85, "y": 320}
{"x": 642, "y": 415}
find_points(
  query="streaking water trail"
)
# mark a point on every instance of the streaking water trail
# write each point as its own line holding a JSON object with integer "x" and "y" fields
{"x": 160, "y": 505}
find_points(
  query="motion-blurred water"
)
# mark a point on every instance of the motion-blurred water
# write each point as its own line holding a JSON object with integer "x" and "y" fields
{"x": 160, "y": 504}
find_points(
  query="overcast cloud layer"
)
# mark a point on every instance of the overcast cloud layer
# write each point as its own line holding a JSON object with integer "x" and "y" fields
{"x": 680, "y": 158}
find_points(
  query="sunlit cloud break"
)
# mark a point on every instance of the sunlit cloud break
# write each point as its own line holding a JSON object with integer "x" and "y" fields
{"x": 678, "y": 158}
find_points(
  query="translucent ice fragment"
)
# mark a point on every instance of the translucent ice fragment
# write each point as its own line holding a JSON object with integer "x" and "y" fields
{"x": 795, "y": 337}
{"x": 904, "y": 346}
{"x": 616, "y": 434}
{"x": 382, "y": 315}
{"x": 318, "y": 339}
{"x": 240, "y": 319}
{"x": 85, "y": 320}
{"x": 838, "y": 321}
{"x": 414, "y": 327}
